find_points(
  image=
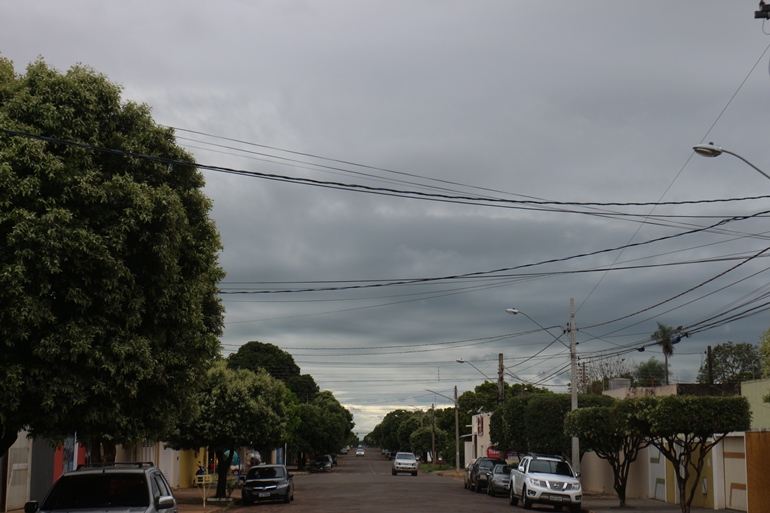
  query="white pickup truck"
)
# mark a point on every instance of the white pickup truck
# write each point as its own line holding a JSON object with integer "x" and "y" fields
{"x": 545, "y": 480}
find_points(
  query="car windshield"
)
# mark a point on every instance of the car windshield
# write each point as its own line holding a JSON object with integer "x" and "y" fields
{"x": 550, "y": 467}
{"x": 98, "y": 491}
{"x": 405, "y": 456}
{"x": 487, "y": 463}
{"x": 502, "y": 469}
{"x": 265, "y": 473}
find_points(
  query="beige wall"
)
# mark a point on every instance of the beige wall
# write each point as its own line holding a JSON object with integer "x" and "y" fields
{"x": 754, "y": 391}
{"x": 735, "y": 484}
{"x": 596, "y": 476}
{"x": 625, "y": 393}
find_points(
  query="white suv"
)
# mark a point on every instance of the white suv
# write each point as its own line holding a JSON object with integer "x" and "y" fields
{"x": 404, "y": 462}
{"x": 545, "y": 480}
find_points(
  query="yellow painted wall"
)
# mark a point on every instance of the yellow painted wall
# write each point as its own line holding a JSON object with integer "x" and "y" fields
{"x": 705, "y": 482}
{"x": 754, "y": 391}
{"x": 188, "y": 466}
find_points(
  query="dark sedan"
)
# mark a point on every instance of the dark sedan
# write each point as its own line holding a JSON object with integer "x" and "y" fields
{"x": 267, "y": 483}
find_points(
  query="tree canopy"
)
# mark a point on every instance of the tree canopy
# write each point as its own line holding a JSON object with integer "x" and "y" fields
{"x": 535, "y": 422}
{"x": 236, "y": 408}
{"x": 606, "y": 430}
{"x": 278, "y": 363}
{"x": 650, "y": 373}
{"x": 732, "y": 363}
{"x": 324, "y": 427}
{"x": 109, "y": 262}
{"x": 686, "y": 428}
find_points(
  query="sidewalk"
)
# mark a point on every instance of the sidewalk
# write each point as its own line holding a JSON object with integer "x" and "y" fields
{"x": 190, "y": 500}
{"x": 609, "y": 504}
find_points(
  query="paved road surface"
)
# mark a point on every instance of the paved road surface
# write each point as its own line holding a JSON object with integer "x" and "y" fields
{"x": 365, "y": 484}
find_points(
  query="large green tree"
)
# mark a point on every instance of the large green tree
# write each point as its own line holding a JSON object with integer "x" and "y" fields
{"x": 650, "y": 373}
{"x": 324, "y": 426}
{"x": 732, "y": 363}
{"x": 108, "y": 263}
{"x": 507, "y": 427}
{"x": 535, "y": 422}
{"x": 606, "y": 431}
{"x": 685, "y": 429}
{"x": 236, "y": 408}
{"x": 278, "y": 363}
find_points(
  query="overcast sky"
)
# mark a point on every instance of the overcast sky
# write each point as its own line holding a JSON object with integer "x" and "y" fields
{"x": 589, "y": 107}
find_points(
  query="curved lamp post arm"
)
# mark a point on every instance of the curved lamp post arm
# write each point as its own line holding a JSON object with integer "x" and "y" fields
{"x": 709, "y": 150}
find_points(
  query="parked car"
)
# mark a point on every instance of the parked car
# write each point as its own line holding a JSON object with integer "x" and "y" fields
{"x": 545, "y": 480}
{"x": 467, "y": 475}
{"x": 404, "y": 462}
{"x": 322, "y": 463}
{"x": 344, "y": 450}
{"x": 268, "y": 483}
{"x": 479, "y": 471}
{"x": 109, "y": 488}
{"x": 498, "y": 479}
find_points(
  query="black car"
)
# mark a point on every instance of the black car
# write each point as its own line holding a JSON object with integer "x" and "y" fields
{"x": 268, "y": 483}
{"x": 480, "y": 470}
{"x": 109, "y": 488}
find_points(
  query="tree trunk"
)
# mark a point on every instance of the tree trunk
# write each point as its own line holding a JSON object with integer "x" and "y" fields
{"x": 101, "y": 450}
{"x": 223, "y": 469}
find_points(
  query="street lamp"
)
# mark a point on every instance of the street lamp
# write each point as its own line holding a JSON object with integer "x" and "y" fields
{"x": 709, "y": 150}
{"x": 469, "y": 363}
{"x": 457, "y": 428}
{"x": 573, "y": 371}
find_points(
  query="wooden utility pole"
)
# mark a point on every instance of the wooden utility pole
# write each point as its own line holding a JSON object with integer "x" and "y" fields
{"x": 500, "y": 382}
{"x": 573, "y": 379}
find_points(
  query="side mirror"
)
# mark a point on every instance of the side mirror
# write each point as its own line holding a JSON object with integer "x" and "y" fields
{"x": 577, "y": 474}
{"x": 290, "y": 474}
{"x": 165, "y": 502}
{"x": 30, "y": 507}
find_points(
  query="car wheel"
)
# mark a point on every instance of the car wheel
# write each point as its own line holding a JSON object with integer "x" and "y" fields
{"x": 575, "y": 508}
{"x": 393, "y": 472}
{"x": 414, "y": 473}
{"x": 512, "y": 500}
{"x": 525, "y": 503}
{"x": 247, "y": 502}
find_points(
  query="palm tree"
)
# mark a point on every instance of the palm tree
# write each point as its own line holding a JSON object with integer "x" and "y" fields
{"x": 663, "y": 337}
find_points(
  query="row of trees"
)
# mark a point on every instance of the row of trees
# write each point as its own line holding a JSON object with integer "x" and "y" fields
{"x": 729, "y": 363}
{"x": 257, "y": 398}
{"x": 683, "y": 428}
{"x": 109, "y": 271}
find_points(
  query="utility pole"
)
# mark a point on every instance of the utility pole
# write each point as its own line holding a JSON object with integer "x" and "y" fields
{"x": 433, "y": 432}
{"x": 500, "y": 387}
{"x": 573, "y": 380}
{"x": 457, "y": 435}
